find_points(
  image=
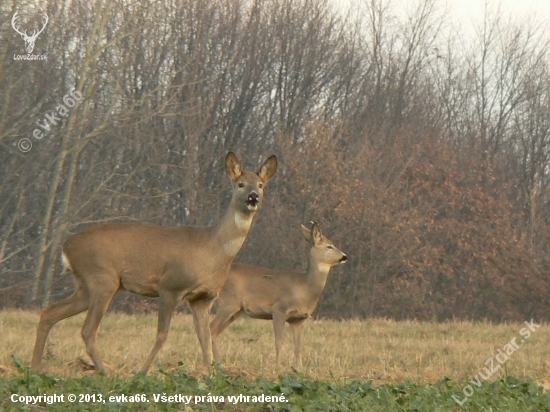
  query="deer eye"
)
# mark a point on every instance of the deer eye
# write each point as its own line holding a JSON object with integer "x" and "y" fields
{"x": 261, "y": 185}
{"x": 241, "y": 184}
{"x": 330, "y": 247}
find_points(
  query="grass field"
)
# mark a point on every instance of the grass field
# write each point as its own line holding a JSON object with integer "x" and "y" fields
{"x": 408, "y": 358}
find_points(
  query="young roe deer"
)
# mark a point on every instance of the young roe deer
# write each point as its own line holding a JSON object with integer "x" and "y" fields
{"x": 262, "y": 293}
{"x": 172, "y": 263}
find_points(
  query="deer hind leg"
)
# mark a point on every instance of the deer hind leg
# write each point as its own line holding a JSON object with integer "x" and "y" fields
{"x": 297, "y": 336}
{"x": 221, "y": 321}
{"x": 73, "y": 305}
{"x": 201, "y": 316}
{"x": 167, "y": 303}
{"x": 279, "y": 320}
{"x": 101, "y": 294}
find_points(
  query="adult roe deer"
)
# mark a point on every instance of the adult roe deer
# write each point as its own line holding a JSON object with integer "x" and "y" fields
{"x": 262, "y": 293}
{"x": 172, "y": 263}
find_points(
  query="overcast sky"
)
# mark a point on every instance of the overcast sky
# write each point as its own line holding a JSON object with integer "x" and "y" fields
{"x": 467, "y": 11}
{"x": 464, "y": 13}
{"x": 472, "y": 9}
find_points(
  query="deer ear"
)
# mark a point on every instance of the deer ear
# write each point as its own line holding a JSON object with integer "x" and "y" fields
{"x": 316, "y": 234}
{"x": 268, "y": 169}
{"x": 232, "y": 166}
{"x": 306, "y": 233}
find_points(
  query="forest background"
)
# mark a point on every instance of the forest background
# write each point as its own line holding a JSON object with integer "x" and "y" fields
{"x": 423, "y": 155}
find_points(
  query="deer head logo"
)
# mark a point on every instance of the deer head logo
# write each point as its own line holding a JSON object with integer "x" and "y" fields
{"x": 29, "y": 40}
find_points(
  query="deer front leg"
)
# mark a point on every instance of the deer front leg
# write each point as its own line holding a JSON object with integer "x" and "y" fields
{"x": 297, "y": 335}
{"x": 167, "y": 304}
{"x": 279, "y": 320}
{"x": 201, "y": 319}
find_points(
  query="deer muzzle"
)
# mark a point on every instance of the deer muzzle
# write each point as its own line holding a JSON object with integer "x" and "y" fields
{"x": 252, "y": 201}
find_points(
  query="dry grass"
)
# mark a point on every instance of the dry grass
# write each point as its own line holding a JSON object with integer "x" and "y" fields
{"x": 381, "y": 350}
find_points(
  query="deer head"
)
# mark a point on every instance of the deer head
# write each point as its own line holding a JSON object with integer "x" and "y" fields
{"x": 29, "y": 40}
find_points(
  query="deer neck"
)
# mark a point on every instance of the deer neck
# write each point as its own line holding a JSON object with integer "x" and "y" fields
{"x": 317, "y": 274}
{"x": 230, "y": 233}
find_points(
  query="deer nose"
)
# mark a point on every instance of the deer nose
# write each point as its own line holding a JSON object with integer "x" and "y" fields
{"x": 253, "y": 197}
{"x": 344, "y": 258}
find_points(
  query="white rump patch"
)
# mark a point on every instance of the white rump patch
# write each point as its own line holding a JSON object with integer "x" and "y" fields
{"x": 232, "y": 247}
{"x": 243, "y": 222}
{"x": 66, "y": 264}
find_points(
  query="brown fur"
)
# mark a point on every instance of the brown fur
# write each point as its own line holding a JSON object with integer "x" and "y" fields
{"x": 173, "y": 263}
{"x": 262, "y": 293}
